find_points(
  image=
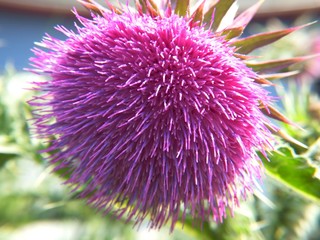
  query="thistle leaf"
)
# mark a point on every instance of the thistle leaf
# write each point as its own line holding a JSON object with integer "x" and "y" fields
{"x": 244, "y": 18}
{"x": 152, "y": 8}
{"x": 277, "y": 65}
{"x": 285, "y": 136}
{"x": 153, "y": 4}
{"x": 294, "y": 171}
{"x": 209, "y": 14}
{"x": 90, "y": 5}
{"x": 275, "y": 114}
{"x": 197, "y": 15}
{"x": 274, "y": 76}
{"x": 263, "y": 81}
{"x": 248, "y": 44}
{"x": 182, "y": 7}
{"x": 220, "y": 9}
{"x": 314, "y": 150}
{"x": 243, "y": 57}
{"x": 232, "y": 32}
{"x": 96, "y": 7}
{"x": 147, "y": 6}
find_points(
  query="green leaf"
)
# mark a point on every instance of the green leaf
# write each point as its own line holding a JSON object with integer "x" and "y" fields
{"x": 153, "y": 5}
{"x": 248, "y": 44}
{"x": 273, "y": 76}
{"x": 230, "y": 33}
{"x": 97, "y": 8}
{"x": 276, "y": 65}
{"x": 244, "y": 18}
{"x": 209, "y": 13}
{"x": 241, "y": 21}
{"x": 274, "y": 113}
{"x": 219, "y": 9}
{"x": 8, "y": 151}
{"x": 182, "y": 7}
{"x": 287, "y": 137}
{"x": 294, "y": 171}
{"x": 4, "y": 157}
{"x": 197, "y": 15}
{"x": 147, "y": 6}
{"x": 314, "y": 151}
{"x": 262, "y": 81}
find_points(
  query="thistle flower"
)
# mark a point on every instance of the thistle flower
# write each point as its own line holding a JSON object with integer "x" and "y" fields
{"x": 157, "y": 112}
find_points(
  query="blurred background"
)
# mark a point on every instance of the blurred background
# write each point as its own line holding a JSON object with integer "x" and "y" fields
{"x": 22, "y": 22}
{"x": 34, "y": 204}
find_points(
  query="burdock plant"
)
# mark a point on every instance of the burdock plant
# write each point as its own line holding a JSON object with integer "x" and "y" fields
{"x": 158, "y": 111}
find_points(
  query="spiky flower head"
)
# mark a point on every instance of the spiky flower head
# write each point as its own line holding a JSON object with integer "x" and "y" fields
{"x": 156, "y": 111}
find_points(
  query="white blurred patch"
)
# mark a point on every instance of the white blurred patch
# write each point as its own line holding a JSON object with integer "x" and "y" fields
{"x": 48, "y": 230}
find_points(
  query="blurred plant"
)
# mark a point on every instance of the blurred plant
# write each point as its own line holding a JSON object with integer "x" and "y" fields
{"x": 296, "y": 216}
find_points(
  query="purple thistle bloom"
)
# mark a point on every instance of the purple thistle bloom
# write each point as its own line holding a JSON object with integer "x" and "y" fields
{"x": 151, "y": 116}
